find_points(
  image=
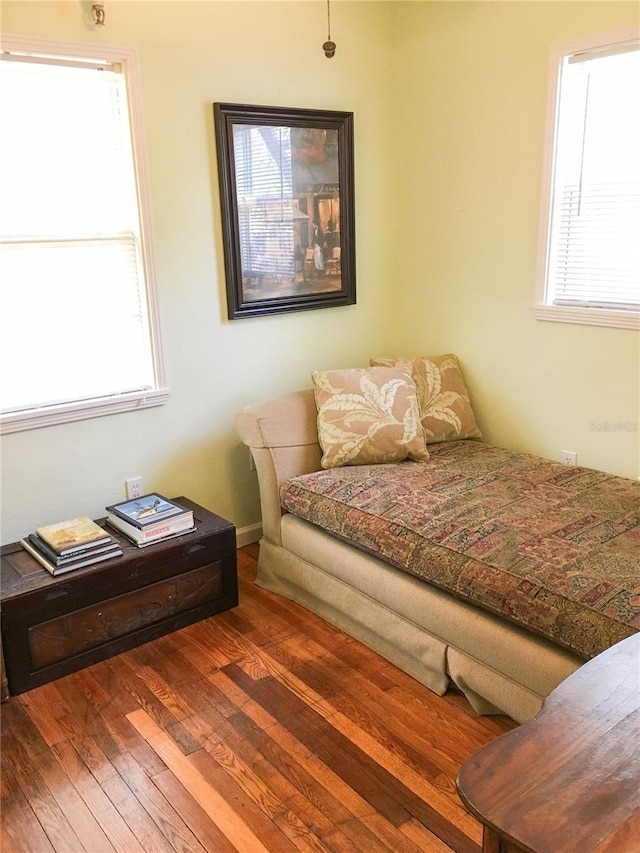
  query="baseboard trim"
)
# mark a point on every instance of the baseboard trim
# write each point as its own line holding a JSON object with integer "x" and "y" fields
{"x": 248, "y": 535}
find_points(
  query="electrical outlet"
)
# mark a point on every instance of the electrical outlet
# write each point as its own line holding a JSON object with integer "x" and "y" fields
{"x": 134, "y": 488}
{"x": 568, "y": 457}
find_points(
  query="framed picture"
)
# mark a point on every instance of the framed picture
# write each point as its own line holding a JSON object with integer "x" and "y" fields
{"x": 287, "y": 203}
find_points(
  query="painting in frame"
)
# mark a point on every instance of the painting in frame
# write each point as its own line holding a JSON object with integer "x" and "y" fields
{"x": 287, "y": 205}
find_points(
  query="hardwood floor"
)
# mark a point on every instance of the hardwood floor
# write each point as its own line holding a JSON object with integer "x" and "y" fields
{"x": 260, "y": 729}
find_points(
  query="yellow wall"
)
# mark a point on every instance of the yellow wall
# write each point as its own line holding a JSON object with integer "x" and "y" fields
{"x": 449, "y": 103}
{"x": 192, "y": 54}
{"x": 472, "y": 109}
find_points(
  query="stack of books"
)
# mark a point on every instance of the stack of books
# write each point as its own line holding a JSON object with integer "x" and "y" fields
{"x": 150, "y": 518}
{"x": 71, "y": 544}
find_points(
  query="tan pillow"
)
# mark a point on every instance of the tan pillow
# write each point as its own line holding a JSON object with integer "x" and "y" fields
{"x": 445, "y": 408}
{"x": 368, "y": 415}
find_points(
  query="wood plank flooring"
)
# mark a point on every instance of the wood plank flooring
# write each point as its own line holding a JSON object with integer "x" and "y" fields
{"x": 260, "y": 729}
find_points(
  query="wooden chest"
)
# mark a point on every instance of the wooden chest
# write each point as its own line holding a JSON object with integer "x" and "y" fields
{"x": 52, "y": 626}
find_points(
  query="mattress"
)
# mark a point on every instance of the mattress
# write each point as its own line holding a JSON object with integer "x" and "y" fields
{"x": 553, "y": 549}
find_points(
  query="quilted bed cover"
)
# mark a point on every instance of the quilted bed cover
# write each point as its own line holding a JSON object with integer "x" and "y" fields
{"x": 551, "y": 548}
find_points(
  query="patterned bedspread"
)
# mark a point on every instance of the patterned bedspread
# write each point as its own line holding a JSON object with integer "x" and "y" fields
{"x": 553, "y": 549}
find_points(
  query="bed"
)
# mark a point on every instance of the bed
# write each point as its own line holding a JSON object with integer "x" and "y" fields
{"x": 499, "y": 572}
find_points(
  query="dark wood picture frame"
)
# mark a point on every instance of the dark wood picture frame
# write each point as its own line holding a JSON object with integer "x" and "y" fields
{"x": 287, "y": 204}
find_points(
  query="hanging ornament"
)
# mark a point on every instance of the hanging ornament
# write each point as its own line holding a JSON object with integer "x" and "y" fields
{"x": 329, "y": 46}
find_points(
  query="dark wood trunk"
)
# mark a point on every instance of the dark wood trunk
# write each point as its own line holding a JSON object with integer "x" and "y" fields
{"x": 52, "y": 626}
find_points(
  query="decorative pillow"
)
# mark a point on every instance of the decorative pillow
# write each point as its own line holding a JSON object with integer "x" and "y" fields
{"x": 368, "y": 415}
{"x": 445, "y": 408}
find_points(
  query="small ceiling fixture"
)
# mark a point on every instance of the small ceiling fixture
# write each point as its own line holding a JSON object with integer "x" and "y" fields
{"x": 97, "y": 14}
{"x": 329, "y": 46}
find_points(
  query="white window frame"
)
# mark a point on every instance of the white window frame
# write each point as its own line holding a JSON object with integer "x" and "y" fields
{"x": 541, "y": 309}
{"x": 159, "y": 394}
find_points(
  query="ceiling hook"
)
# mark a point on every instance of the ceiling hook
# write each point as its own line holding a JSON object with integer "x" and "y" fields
{"x": 98, "y": 14}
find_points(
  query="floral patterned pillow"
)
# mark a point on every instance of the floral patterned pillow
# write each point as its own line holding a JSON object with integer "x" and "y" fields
{"x": 445, "y": 408}
{"x": 367, "y": 416}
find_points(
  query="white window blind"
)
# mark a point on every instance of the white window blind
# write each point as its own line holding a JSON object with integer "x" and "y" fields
{"x": 76, "y": 325}
{"x": 591, "y": 248}
{"x": 264, "y": 185}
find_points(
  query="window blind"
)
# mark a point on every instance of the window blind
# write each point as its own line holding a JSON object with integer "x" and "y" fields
{"x": 594, "y": 258}
{"x": 74, "y": 323}
{"x": 598, "y": 246}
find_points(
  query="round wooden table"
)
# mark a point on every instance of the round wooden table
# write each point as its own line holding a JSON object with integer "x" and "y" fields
{"x": 568, "y": 781}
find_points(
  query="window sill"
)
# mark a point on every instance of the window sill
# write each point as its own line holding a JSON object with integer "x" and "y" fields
{"x": 51, "y": 415}
{"x": 588, "y": 316}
